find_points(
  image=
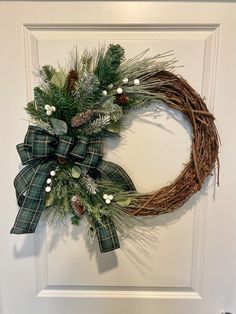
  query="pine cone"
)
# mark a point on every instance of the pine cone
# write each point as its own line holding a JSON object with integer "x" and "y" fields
{"x": 62, "y": 160}
{"x": 121, "y": 99}
{"x": 81, "y": 118}
{"x": 75, "y": 122}
{"x": 78, "y": 208}
{"x": 71, "y": 80}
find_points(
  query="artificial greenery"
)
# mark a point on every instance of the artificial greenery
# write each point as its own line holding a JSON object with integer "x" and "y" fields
{"x": 107, "y": 69}
{"x": 98, "y": 75}
{"x": 89, "y": 99}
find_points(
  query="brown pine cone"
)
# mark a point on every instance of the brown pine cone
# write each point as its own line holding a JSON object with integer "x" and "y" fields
{"x": 121, "y": 99}
{"x": 82, "y": 118}
{"x": 75, "y": 122}
{"x": 78, "y": 208}
{"x": 71, "y": 80}
{"x": 62, "y": 160}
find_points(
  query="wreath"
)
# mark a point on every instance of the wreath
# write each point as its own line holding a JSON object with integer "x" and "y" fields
{"x": 74, "y": 110}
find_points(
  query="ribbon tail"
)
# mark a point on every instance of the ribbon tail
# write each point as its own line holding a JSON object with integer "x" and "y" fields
{"x": 107, "y": 235}
{"x": 106, "y": 231}
{"x": 30, "y": 181}
{"x": 115, "y": 173}
{"x": 23, "y": 179}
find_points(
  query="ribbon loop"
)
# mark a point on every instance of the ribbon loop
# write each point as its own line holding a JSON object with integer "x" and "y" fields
{"x": 25, "y": 153}
{"x": 41, "y": 142}
{"x": 64, "y": 146}
{"x": 94, "y": 151}
{"x": 79, "y": 151}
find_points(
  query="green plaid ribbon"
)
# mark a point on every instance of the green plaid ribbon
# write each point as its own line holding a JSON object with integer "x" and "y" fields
{"x": 107, "y": 236}
{"x": 39, "y": 153}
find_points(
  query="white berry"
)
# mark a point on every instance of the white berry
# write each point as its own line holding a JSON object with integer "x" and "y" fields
{"x": 108, "y": 201}
{"x": 110, "y": 86}
{"x": 110, "y": 197}
{"x": 74, "y": 198}
{"x": 53, "y": 109}
{"x": 136, "y": 82}
{"x": 47, "y": 107}
{"x": 105, "y": 196}
{"x": 49, "y": 181}
{"x": 47, "y": 189}
{"x": 104, "y": 93}
{"x": 53, "y": 173}
{"x": 125, "y": 80}
{"x": 48, "y": 112}
{"x": 119, "y": 90}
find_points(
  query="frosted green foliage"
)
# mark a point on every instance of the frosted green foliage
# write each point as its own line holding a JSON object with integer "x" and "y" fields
{"x": 98, "y": 125}
{"x": 108, "y": 107}
{"x": 87, "y": 89}
{"x": 91, "y": 185}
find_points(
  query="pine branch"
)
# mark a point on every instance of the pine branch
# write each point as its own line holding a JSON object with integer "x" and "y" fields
{"x": 109, "y": 108}
{"x": 47, "y": 72}
{"x": 108, "y": 65}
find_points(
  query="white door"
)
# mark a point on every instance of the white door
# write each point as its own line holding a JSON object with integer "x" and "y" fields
{"x": 192, "y": 267}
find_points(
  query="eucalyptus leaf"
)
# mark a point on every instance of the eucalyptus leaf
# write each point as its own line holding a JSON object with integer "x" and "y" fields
{"x": 76, "y": 172}
{"x": 124, "y": 202}
{"x": 49, "y": 199}
{"x": 59, "y": 126}
{"x": 58, "y": 79}
{"x": 114, "y": 128}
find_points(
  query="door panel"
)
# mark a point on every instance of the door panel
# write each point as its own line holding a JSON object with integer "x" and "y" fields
{"x": 176, "y": 267}
{"x": 169, "y": 266}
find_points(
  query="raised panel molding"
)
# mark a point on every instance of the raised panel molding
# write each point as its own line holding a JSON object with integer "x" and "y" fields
{"x": 124, "y": 27}
{"x": 210, "y": 35}
{"x": 120, "y": 292}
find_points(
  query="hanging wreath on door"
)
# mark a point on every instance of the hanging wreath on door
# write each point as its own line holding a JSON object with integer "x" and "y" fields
{"x": 73, "y": 111}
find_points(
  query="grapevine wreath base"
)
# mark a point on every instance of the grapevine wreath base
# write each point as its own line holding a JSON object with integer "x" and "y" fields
{"x": 72, "y": 113}
{"x": 179, "y": 95}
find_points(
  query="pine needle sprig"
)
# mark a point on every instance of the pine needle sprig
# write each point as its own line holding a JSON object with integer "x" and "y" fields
{"x": 107, "y": 69}
{"x": 142, "y": 66}
{"x": 32, "y": 109}
{"x": 46, "y": 73}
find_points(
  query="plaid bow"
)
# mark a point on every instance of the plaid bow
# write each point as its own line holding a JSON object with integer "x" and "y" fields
{"x": 39, "y": 153}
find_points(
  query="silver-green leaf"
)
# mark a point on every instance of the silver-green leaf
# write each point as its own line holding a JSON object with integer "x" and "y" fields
{"x": 59, "y": 79}
{"x": 49, "y": 199}
{"x": 124, "y": 202}
{"x": 59, "y": 126}
{"x": 76, "y": 172}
